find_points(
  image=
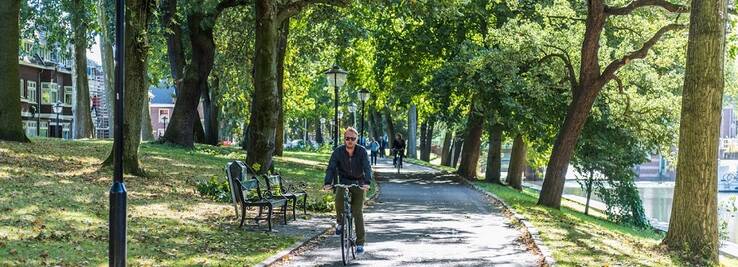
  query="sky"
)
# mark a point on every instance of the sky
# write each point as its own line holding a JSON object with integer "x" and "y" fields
{"x": 94, "y": 52}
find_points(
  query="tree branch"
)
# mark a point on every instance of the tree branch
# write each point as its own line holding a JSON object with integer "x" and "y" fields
{"x": 609, "y": 72}
{"x": 567, "y": 63}
{"x": 295, "y": 7}
{"x": 633, "y": 5}
{"x": 567, "y": 18}
{"x": 222, "y": 5}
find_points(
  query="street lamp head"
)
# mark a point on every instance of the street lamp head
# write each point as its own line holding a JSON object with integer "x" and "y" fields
{"x": 151, "y": 96}
{"x": 336, "y": 76}
{"x": 363, "y": 95}
{"x": 33, "y": 111}
{"x": 352, "y": 107}
{"x": 57, "y": 107}
{"x": 322, "y": 120}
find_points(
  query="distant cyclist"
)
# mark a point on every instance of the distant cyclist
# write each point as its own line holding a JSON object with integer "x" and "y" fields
{"x": 350, "y": 163}
{"x": 398, "y": 149}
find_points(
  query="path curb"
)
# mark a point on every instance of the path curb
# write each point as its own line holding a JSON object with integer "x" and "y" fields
{"x": 532, "y": 230}
{"x": 285, "y": 253}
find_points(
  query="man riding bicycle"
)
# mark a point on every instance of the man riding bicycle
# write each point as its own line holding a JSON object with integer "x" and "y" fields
{"x": 398, "y": 149}
{"x": 350, "y": 164}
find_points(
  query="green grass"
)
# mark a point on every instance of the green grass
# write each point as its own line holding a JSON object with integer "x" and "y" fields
{"x": 54, "y": 206}
{"x": 576, "y": 239}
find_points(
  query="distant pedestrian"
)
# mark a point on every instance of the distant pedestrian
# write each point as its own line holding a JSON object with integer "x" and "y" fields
{"x": 374, "y": 148}
{"x": 383, "y": 146}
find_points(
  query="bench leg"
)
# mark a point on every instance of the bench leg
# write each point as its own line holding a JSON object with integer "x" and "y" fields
{"x": 284, "y": 213}
{"x": 243, "y": 215}
{"x": 294, "y": 205}
{"x": 269, "y": 218}
{"x": 258, "y": 217}
{"x": 304, "y": 204}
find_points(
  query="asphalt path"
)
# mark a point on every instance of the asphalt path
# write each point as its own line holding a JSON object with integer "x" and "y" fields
{"x": 422, "y": 218}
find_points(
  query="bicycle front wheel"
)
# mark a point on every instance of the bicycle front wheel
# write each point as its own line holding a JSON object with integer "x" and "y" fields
{"x": 345, "y": 241}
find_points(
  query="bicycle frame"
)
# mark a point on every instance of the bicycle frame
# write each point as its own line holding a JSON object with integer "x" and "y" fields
{"x": 348, "y": 237}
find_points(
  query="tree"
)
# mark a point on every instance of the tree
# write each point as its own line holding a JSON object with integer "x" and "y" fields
{"x": 82, "y": 117}
{"x": 191, "y": 65}
{"x": 694, "y": 221}
{"x": 591, "y": 81}
{"x": 11, "y": 126}
{"x": 284, "y": 31}
{"x": 106, "y": 55}
{"x": 136, "y": 43}
{"x": 494, "y": 156}
{"x": 517, "y": 163}
{"x": 270, "y": 15}
{"x": 471, "y": 145}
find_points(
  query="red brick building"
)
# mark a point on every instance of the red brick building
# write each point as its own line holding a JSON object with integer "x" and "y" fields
{"x": 44, "y": 82}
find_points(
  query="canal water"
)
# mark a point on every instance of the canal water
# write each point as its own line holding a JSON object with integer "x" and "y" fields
{"x": 657, "y": 198}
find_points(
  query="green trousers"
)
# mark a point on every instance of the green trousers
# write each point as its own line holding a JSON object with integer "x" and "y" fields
{"x": 357, "y": 206}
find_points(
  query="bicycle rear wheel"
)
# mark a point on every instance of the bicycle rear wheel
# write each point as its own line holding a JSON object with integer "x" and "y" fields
{"x": 352, "y": 238}
{"x": 345, "y": 241}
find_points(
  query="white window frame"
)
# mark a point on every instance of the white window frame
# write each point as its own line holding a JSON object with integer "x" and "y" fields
{"x": 30, "y": 127}
{"x": 22, "y": 95}
{"x": 46, "y": 88}
{"x": 67, "y": 96}
{"x": 161, "y": 115}
{"x": 44, "y": 128}
{"x": 32, "y": 93}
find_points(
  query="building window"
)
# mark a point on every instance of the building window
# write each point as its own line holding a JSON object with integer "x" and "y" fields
{"x": 66, "y": 133}
{"x": 30, "y": 127}
{"x": 49, "y": 93}
{"x": 44, "y": 129}
{"x": 163, "y": 113}
{"x": 32, "y": 91}
{"x": 68, "y": 95}
{"x": 22, "y": 95}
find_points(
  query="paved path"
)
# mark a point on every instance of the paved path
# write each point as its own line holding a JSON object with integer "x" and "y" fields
{"x": 424, "y": 219}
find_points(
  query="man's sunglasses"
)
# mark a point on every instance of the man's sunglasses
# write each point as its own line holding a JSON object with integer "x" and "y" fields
{"x": 349, "y": 138}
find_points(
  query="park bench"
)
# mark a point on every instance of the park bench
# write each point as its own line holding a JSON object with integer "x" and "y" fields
{"x": 247, "y": 192}
{"x": 278, "y": 186}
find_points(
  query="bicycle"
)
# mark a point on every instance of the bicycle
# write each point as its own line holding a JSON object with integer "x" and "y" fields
{"x": 398, "y": 159}
{"x": 348, "y": 234}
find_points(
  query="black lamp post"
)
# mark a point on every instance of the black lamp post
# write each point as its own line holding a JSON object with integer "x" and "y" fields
{"x": 336, "y": 77}
{"x": 363, "y": 96}
{"x": 57, "y": 108}
{"x": 118, "y": 196}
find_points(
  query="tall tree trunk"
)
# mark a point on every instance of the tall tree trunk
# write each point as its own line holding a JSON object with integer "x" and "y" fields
{"x": 412, "y": 129}
{"x": 318, "y": 132}
{"x": 471, "y": 146}
{"x": 147, "y": 133}
{"x": 585, "y": 92}
{"x": 517, "y": 163}
{"x": 138, "y": 15}
{"x": 376, "y": 119}
{"x": 494, "y": 156}
{"x": 446, "y": 150}
{"x": 82, "y": 116}
{"x": 423, "y": 132}
{"x": 390, "y": 124}
{"x": 457, "y": 147}
{"x": 265, "y": 111}
{"x": 245, "y": 141}
{"x": 106, "y": 54}
{"x": 426, "y": 138}
{"x": 284, "y": 31}
{"x": 693, "y": 227}
{"x": 210, "y": 112}
{"x": 185, "y": 126}
{"x": 11, "y": 125}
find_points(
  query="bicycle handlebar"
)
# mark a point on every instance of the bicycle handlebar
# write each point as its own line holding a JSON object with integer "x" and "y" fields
{"x": 346, "y": 186}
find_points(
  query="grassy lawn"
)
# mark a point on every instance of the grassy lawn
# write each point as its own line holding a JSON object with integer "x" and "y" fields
{"x": 576, "y": 239}
{"x": 54, "y": 206}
